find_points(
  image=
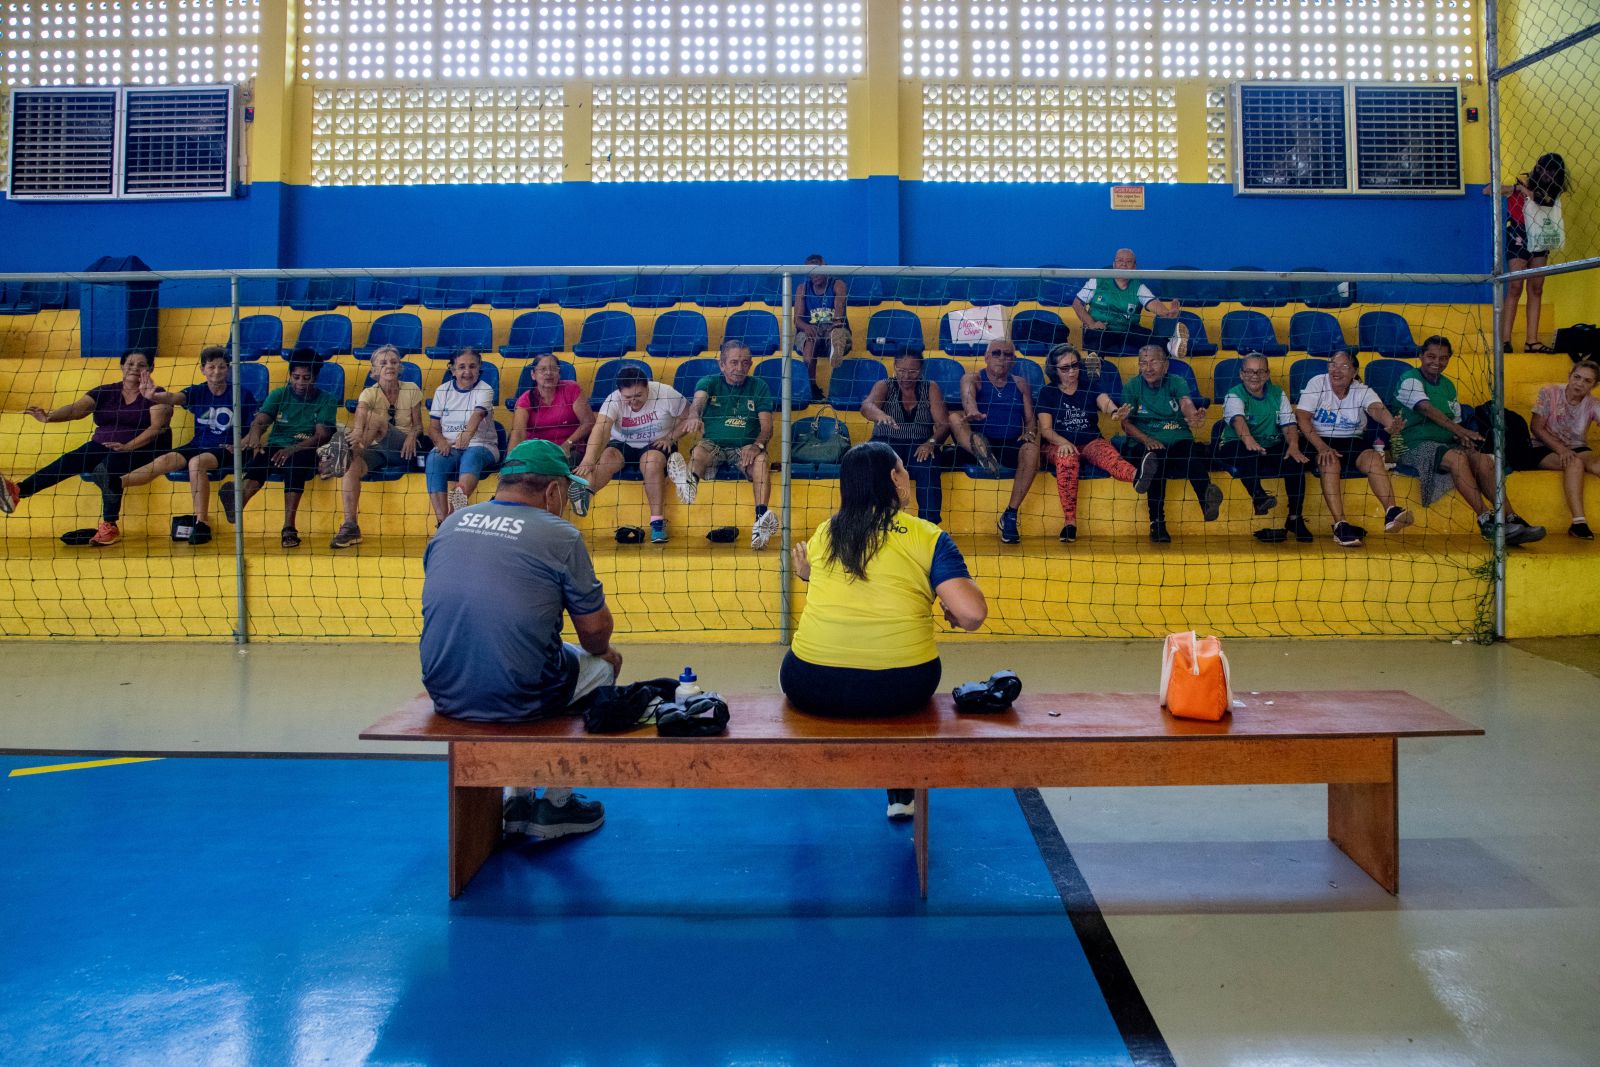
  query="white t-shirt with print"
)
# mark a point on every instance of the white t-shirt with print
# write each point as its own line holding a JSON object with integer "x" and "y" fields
{"x": 453, "y": 407}
{"x": 662, "y": 404}
{"x": 1332, "y": 417}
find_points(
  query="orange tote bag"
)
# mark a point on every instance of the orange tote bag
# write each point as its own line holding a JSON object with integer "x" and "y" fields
{"x": 1194, "y": 677}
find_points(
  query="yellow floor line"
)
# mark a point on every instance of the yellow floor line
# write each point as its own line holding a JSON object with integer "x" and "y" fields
{"x": 21, "y": 771}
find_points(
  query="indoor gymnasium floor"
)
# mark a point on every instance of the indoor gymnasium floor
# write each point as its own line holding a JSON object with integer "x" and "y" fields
{"x": 233, "y": 910}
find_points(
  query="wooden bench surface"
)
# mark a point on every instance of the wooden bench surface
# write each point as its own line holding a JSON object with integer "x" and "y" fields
{"x": 768, "y": 718}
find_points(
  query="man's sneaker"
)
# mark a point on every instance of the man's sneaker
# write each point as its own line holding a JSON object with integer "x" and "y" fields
{"x": 105, "y": 534}
{"x": 579, "y": 497}
{"x": 1297, "y": 529}
{"x": 1520, "y": 533}
{"x": 765, "y": 527}
{"x": 658, "y": 531}
{"x": 984, "y": 454}
{"x": 902, "y": 803}
{"x": 1069, "y": 534}
{"x": 686, "y": 484}
{"x": 1580, "y": 530}
{"x": 200, "y": 533}
{"x": 1159, "y": 534}
{"x": 1264, "y": 503}
{"x": 456, "y": 499}
{"x": 10, "y": 495}
{"x": 1359, "y": 531}
{"x": 544, "y": 820}
{"x": 1211, "y": 501}
{"x": 1178, "y": 343}
{"x": 1009, "y": 534}
{"x": 1345, "y": 535}
{"x": 229, "y": 507}
{"x": 349, "y": 534}
{"x": 1486, "y": 525}
{"x": 1149, "y": 470}
{"x": 1396, "y": 519}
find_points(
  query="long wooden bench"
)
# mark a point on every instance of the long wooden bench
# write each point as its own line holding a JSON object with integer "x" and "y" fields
{"x": 1345, "y": 739}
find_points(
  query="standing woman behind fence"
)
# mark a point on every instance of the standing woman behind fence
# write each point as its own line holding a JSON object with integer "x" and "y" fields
{"x": 1533, "y": 229}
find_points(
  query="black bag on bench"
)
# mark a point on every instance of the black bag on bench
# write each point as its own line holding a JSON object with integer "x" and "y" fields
{"x": 615, "y": 709}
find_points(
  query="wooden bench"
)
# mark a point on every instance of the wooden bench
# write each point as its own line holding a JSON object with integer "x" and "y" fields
{"x": 1345, "y": 739}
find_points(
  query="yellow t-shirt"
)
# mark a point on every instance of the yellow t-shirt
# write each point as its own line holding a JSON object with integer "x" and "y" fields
{"x": 885, "y": 620}
{"x": 378, "y": 404}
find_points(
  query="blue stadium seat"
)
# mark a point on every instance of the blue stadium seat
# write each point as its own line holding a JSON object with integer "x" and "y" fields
{"x": 1058, "y": 292}
{"x": 982, "y": 292}
{"x": 409, "y": 372}
{"x": 464, "y": 329}
{"x": 1224, "y": 377}
{"x": 328, "y": 334}
{"x": 1033, "y": 332}
{"x": 1271, "y": 294}
{"x": 592, "y": 290}
{"x": 1250, "y": 331}
{"x": 852, "y": 380}
{"x": 330, "y": 379}
{"x": 1202, "y": 293}
{"x": 386, "y": 294}
{"x": 1387, "y": 334}
{"x": 448, "y": 293}
{"x": 259, "y": 335}
{"x": 1329, "y": 294}
{"x": 606, "y": 335}
{"x": 689, "y": 373}
{"x": 947, "y": 375}
{"x": 816, "y": 427}
{"x": 568, "y": 373}
{"x": 18, "y": 298}
{"x": 1110, "y": 382}
{"x": 399, "y": 328}
{"x": 1186, "y": 372}
{"x": 535, "y": 333}
{"x": 767, "y": 289}
{"x": 1301, "y": 371}
{"x": 318, "y": 294}
{"x": 1030, "y": 372}
{"x": 892, "y": 331}
{"x": 605, "y": 378}
{"x": 923, "y": 291}
{"x": 1200, "y": 345}
{"x": 521, "y": 291}
{"x": 959, "y": 349}
{"x": 864, "y": 290}
{"x": 1316, "y": 333}
{"x": 771, "y": 372}
{"x": 678, "y": 334}
{"x": 665, "y": 290}
{"x": 1383, "y": 377}
{"x": 725, "y": 291}
{"x": 756, "y": 327}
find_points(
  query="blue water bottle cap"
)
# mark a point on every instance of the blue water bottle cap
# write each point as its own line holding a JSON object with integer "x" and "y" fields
{"x": 687, "y": 675}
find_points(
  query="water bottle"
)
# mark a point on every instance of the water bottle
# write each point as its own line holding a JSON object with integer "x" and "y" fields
{"x": 688, "y": 687}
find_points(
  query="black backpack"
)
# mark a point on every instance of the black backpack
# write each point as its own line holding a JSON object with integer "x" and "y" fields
{"x": 1519, "y": 440}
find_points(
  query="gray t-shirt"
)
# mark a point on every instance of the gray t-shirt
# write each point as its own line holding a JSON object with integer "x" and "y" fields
{"x": 498, "y": 577}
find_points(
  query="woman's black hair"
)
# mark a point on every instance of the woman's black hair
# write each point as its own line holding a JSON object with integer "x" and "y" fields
{"x": 534, "y": 392}
{"x": 1052, "y": 374}
{"x": 150, "y": 359}
{"x": 1548, "y": 178}
{"x": 1355, "y": 361}
{"x": 868, "y": 501}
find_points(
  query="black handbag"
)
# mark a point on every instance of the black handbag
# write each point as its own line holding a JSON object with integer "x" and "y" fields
{"x": 1580, "y": 341}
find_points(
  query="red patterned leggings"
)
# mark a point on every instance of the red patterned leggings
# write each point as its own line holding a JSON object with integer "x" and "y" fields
{"x": 1098, "y": 452}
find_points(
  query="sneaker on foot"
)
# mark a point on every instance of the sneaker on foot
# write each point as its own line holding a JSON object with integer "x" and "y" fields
{"x": 1297, "y": 528}
{"x": 1149, "y": 468}
{"x": 1520, "y": 533}
{"x": 105, "y": 534}
{"x": 686, "y": 484}
{"x": 1581, "y": 530}
{"x": 1359, "y": 531}
{"x": 1345, "y": 535}
{"x": 902, "y": 803}
{"x": 1211, "y": 501}
{"x": 10, "y": 495}
{"x": 984, "y": 454}
{"x": 200, "y": 533}
{"x": 1264, "y": 503}
{"x": 1009, "y": 534}
{"x": 225, "y": 494}
{"x": 1178, "y": 343}
{"x": 579, "y": 496}
{"x": 1069, "y": 534}
{"x": 1159, "y": 534}
{"x": 1486, "y": 525}
{"x": 1396, "y": 519}
{"x": 545, "y": 820}
{"x": 658, "y": 531}
{"x": 349, "y": 534}
{"x": 456, "y": 499}
{"x": 765, "y": 527}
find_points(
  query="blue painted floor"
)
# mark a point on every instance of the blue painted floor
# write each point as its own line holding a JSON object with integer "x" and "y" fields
{"x": 295, "y": 912}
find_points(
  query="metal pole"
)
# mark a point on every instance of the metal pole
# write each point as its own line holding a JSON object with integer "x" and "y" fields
{"x": 786, "y": 325}
{"x": 241, "y": 633}
{"x": 1491, "y": 59}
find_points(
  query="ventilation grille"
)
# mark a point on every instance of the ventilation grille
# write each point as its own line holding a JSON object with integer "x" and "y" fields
{"x": 178, "y": 143}
{"x": 63, "y": 143}
{"x": 1408, "y": 139}
{"x": 1292, "y": 138}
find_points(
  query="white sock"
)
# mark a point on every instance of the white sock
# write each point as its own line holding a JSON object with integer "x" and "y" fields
{"x": 1579, "y": 518}
{"x": 557, "y": 795}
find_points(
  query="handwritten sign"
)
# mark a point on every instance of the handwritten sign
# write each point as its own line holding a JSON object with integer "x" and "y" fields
{"x": 1127, "y": 198}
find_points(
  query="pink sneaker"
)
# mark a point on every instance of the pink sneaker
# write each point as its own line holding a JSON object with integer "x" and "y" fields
{"x": 106, "y": 534}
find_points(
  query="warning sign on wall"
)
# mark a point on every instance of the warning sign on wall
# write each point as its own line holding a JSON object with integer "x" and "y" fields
{"x": 1127, "y": 198}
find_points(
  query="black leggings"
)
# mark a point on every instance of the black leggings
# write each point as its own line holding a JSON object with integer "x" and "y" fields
{"x": 89, "y": 457}
{"x": 1187, "y": 459}
{"x": 853, "y": 693}
{"x": 1273, "y": 463}
{"x": 297, "y": 470}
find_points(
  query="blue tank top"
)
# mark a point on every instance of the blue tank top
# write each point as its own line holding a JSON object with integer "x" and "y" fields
{"x": 1002, "y": 408}
{"x": 811, "y": 301}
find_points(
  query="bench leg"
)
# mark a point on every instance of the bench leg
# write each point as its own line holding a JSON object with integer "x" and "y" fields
{"x": 919, "y": 835}
{"x": 1364, "y": 821}
{"x": 474, "y": 828}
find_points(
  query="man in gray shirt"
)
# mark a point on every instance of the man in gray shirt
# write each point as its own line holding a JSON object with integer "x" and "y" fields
{"x": 499, "y": 577}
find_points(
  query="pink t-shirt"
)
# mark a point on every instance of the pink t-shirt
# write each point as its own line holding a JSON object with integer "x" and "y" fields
{"x": 1569, "y": 422}
{"x": 555, "y": 421}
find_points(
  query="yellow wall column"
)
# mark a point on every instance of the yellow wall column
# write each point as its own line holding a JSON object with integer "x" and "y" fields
{"x": 272, "y": 133}
{"x": 577, "y": 138}
{"x": 1191, "y": 104}
{"x": 875, "y": 97}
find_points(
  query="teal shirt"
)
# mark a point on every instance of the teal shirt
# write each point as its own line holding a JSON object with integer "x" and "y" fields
{"x": 294, "y": 418}
{"x": 1156, "y": 409}
{"x": 733, "y": 413}
{"x": 1412, "y": 391}
{"x": 1260, "y": 414}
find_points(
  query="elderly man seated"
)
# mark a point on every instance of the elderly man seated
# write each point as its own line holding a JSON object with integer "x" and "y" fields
{"x": 1109, "y": 310}
{"x": 996, "y": 426}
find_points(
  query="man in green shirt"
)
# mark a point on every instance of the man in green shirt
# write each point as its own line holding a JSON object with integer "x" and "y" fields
{"x": 1109, "y": 310}
{"x": 1160, "y": 430}
{"x": 734, "y": 410}
{"x": 1445, "y": 453}
{"x": 301, "y": 418}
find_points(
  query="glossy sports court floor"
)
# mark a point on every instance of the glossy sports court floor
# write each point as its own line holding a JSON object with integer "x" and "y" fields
{"x": 230, "y": 909}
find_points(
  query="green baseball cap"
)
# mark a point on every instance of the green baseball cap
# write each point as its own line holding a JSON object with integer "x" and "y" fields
{"x": 540, "y": 457}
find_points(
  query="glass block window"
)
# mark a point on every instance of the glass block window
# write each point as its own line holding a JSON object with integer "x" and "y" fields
{"x": 1217, "y": 135}
{"x": 5, "y": 133}
{"x": 128, "y": 42}
{"x": 1049, "y": 133}
{"x": 721, "y": 132}
{"x": 1222, "y": 40}
{"x": 598, "y": 40}
{"x": 436, "y": 136}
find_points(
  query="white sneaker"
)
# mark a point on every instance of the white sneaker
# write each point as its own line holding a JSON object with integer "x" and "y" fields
{"x": 686, "y": 484}
{"x": 1178, "y": 343}
{"x": 457, "y": 499}
{"x": 765, "y": 527}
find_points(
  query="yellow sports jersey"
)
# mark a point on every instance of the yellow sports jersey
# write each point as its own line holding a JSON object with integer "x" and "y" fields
{"x": 885, "y": 620}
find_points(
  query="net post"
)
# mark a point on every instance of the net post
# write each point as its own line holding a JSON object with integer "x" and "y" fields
{"x": 1491, "y": 59}
{"x": 241, "y": 632}
{"x": 786, "y": 393}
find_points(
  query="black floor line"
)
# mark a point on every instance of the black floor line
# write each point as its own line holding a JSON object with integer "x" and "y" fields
{"x": 1146, "y": 1046}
